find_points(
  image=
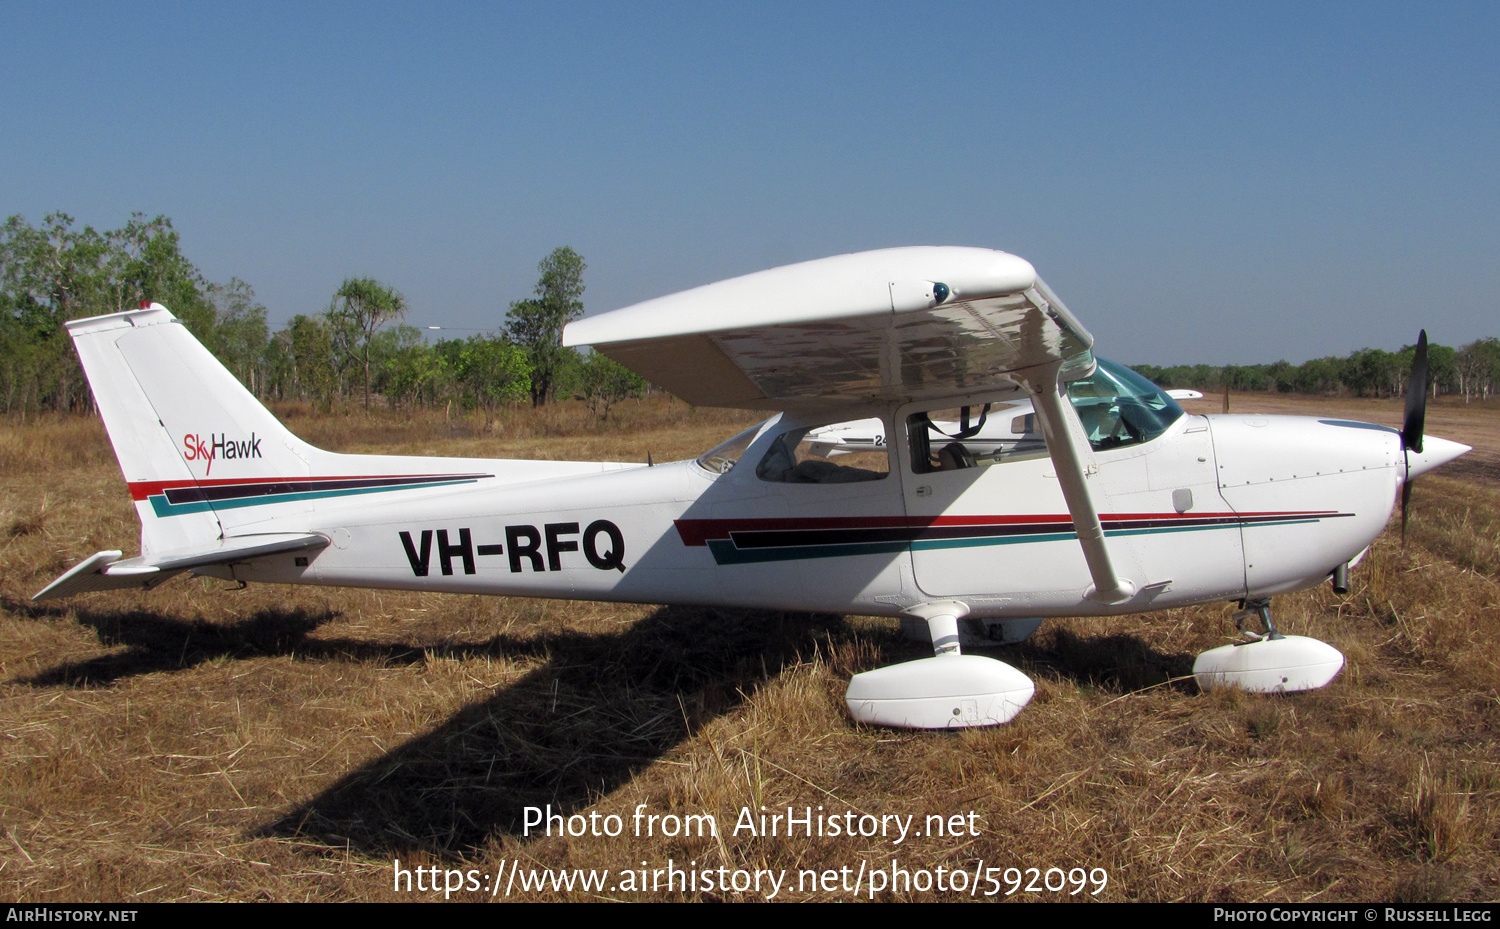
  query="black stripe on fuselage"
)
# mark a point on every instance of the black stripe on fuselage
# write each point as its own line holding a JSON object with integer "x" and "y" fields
{"x": 783, "y": 538}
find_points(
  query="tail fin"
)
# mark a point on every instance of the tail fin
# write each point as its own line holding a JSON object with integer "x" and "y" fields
{"x": 186, "y": 432}
{"x": 213, "y": 474}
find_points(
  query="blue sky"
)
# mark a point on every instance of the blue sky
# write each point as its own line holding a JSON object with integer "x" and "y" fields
{"x": 1217, "y": 182}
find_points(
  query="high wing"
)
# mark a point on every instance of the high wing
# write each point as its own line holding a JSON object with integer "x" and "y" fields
{"x": 890, "y": 325}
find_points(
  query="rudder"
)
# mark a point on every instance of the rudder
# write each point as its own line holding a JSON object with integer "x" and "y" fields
{"x": 182, "y": 426}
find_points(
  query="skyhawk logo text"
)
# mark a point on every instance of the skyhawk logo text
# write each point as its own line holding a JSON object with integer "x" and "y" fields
{"x": 214, "y": 447}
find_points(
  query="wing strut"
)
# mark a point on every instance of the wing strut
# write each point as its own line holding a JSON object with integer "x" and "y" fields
{"x": 1063, "y": 446}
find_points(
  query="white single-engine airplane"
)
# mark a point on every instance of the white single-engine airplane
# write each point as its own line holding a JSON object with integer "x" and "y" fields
{"x": 1109, "y": 500}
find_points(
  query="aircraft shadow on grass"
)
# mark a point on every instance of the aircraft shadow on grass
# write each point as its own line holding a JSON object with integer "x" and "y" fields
{"x": 157, "y": 643}
{"x": 599, "y": 710}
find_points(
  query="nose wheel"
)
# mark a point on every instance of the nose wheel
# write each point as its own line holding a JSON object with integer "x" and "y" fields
{"x": 1259, "y": 608}
{"x": 1269, "y": 662}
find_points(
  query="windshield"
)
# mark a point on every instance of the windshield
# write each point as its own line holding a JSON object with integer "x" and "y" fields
{"x": 1119, "y": 407}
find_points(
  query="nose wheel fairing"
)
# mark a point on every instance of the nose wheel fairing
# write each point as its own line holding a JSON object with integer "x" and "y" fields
{"x": 1270, "y": 662}
{"x": 1285, "y": 665}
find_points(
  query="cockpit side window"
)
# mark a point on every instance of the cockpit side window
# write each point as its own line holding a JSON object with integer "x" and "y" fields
{"x": 973, "y": 437}
{"x": 828, "y": 455}
{"x": 1116, "y": 406}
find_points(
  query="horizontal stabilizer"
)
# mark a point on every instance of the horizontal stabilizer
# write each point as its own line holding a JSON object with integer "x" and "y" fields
{"x": 105, "y": 570}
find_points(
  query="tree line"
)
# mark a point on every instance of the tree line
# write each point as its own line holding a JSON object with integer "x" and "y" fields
{"x": 357, "y": 348}
{"x": 1472, "y": 370}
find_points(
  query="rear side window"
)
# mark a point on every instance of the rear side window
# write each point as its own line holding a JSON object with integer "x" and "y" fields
{"x": 797, "y": 458}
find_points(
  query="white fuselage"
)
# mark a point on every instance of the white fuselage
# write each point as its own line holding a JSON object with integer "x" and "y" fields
{"x": 1215, "y": 508}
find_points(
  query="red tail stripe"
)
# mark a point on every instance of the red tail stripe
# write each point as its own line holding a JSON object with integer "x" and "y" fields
{"x": 141, "y": 490}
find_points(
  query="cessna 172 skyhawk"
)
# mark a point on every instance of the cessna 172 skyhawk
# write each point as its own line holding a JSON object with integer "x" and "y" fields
{"x": 1120, "y": 502}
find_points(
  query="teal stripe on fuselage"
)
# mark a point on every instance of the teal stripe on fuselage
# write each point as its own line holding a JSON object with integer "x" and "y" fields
{"x": 161, "y": 507}
{"x": 927, "y": 545}
{"x": 725, "y": 552}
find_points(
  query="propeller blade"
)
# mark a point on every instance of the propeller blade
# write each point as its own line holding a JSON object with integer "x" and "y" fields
{"x": 1405, "y": 499}
{"x": 1416, "y": 398}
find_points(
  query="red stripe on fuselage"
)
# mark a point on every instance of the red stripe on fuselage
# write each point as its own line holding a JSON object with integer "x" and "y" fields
{"x": 700, "y": 531}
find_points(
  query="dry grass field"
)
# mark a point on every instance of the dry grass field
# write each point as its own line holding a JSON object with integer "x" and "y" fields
{"x": 200, "y": 743}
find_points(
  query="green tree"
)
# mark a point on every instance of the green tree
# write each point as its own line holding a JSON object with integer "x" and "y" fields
{"x": 49, "y": 274}
{"x": 1442, "y": 368}
{"x": 1478, "y": 368}
{"x": 368, "y": 305}
{"x": 605, "y": 382}
{"x": 407, "y": 368}
{"x": 1282, "y": 376}
{"x": 56, "y": 272}
{"x": 146, "y": 264}
{"x": 278, "y": 367}
{"x": 536, "y": 325}
{"x": 1320, "y": 375}
{"x": 313, "y": 373}
{"x": 493, "y": 371}
{"x": 1373, "y": 370}
{"x": 239, "y": 336}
